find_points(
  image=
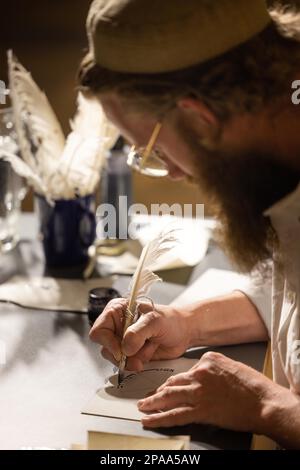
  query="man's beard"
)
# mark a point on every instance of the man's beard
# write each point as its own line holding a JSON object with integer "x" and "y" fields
{"x": 237, "y": 189}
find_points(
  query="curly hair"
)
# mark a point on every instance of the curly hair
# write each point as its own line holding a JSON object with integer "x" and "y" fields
{"x": 244, "y": 79}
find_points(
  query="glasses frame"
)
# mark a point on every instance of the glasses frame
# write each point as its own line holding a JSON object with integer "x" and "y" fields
{"x": 145, "y": 153}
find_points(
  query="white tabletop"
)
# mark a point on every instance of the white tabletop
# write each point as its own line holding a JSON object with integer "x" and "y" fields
{"x": 52, "y": 369}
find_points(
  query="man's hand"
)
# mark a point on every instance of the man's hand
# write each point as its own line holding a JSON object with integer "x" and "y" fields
{"x": 167, "y": 332}
{"x": 221, "y": 392}
{"x": 157, "y": 335}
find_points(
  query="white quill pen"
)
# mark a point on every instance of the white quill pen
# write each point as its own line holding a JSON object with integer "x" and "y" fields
{"x": 63, "y": 169}
{"x": 144, "y": 278}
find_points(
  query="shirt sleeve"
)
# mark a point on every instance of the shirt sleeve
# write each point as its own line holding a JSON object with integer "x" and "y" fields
{"x": 260, "y": 294}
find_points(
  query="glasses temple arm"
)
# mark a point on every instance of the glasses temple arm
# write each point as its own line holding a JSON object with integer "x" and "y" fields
{"x": 151, "y": 143}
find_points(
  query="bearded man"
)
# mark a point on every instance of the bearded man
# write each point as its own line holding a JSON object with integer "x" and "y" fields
{"x": 203, "y": 88}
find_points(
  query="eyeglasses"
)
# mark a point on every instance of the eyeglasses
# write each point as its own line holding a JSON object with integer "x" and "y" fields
{"x": 147, "y": 160}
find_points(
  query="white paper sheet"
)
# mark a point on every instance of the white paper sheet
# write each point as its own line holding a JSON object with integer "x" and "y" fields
{"x": 193, "y": 236}
{"x": 121, "y": 402}
{"x": 49, "y": 293}
{"x": 212, "y": 283}
{"x": 115, "y": 402}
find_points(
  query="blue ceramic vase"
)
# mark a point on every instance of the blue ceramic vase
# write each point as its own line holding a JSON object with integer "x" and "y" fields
{"x": 67, "y": 230}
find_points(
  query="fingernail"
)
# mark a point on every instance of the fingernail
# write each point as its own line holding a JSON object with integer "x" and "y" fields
{"x": 146, "y": 421}
{"x": 140, "y": 403}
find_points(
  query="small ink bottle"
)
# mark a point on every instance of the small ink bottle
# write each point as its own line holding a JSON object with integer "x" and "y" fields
{"x": 98, "y": 299}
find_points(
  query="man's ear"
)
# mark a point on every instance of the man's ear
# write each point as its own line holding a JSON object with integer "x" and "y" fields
{"x": 201, "y": 119}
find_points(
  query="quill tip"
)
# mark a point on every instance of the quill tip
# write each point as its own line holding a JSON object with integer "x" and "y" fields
{"x": 120, "y": 377}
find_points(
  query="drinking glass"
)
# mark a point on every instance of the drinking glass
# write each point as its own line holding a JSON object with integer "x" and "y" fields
{"x": 12, "y": 186}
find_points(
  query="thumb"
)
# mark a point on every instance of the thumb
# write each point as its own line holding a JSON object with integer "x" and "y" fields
{"x": 146, "y": 327}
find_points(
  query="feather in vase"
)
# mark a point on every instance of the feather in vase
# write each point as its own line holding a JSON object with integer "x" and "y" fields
{"x": 84, "y": 154}
{"x": 40, "y": 136}
{"x": 24, "y": 170}
{"x": 66, "y": 168}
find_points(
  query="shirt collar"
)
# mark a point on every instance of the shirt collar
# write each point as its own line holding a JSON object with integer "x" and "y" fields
{"x": 288, "y": 203}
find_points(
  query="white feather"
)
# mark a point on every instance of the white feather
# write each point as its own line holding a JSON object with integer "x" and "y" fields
{"x": 67, "y": 168}
{"x": 24, "y": 170}
{"x": 84, "y": 154}
{"x": 81, "y": 163}
{"x": 143, "y": 277}
{"x": 91, "y": 120}
{"x": 40, "y": 136}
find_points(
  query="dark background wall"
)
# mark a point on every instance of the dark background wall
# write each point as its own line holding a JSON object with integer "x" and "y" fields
{"x": 49, "y": 38}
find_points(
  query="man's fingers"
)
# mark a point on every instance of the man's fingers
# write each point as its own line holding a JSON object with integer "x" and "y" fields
{"x": 110, "y": 342}
{"x": 176, "y": 417}
{"x": 134, "y": 364}
{"x": 109, "y": 320}
{"x": 146, "y": 327}
{"x": 108, "y": 331}
{"x": 137, "y": 361}
{"x": 107, "y": 355}
{"x": 167, "y": 399}
{"x": 144, "y": 307}
{"x": 179, "y": 379}
{"x": 146, "y": 353}
{"x": 131, "y": 364}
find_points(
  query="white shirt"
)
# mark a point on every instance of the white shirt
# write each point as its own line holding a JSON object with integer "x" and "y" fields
{"x": 279, "y": 302}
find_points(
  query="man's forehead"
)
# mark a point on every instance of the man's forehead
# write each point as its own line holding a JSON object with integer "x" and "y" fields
{"x": 135, "y": 126}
